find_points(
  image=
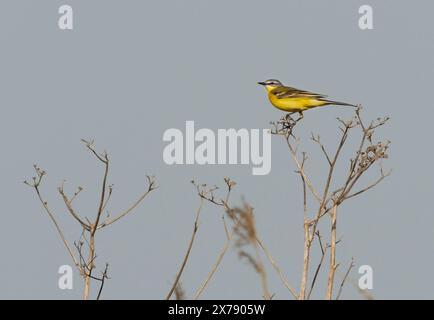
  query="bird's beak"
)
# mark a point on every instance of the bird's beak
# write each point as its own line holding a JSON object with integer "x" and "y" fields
{"x": 261, "y": 83}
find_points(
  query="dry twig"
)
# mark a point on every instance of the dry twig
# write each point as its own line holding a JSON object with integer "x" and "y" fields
{"x": 86, "y": 266}
{"x": 329, "y": 200}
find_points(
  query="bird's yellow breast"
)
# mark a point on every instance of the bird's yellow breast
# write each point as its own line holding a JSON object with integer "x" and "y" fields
{"x": 294, "y": 104}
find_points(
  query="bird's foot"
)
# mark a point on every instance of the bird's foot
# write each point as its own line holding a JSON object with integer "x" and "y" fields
{"x": 291, "y": 120}
{"x": 301, "y": 116}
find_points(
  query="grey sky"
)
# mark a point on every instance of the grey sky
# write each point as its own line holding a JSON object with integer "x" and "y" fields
{"x": 132, "y": 69}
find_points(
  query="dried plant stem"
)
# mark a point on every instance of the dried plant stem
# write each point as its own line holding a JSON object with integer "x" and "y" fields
{"x": 101, "y": 287}
{"x": 333, "y": 265}
{"x": 68, "y": 204}
{"x": 93, "y": 227}
{"x": 59, "y": 231}
{"x": 318, "y": 268}
{"x": 109, "y": 222}
{"x": 345, "y": 278}
{"x": 187, "y": 254}
{"x": 213, "y": 270}
{"x": 86, "y": 266}
{"x": 306, "y": 228}
{"x": 278, "y": 270}
{"x": 226, "y": 246}
{"x": 89, "y": 267}
{"x": 366, "y": 154}
{"x": 240, "y": 217}
{"x": 306, "y": 258}
{"x": 299, "y": 165}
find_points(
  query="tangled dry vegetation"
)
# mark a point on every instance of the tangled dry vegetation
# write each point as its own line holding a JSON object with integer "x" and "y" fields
{"x": 84, "y": 255}
{"x": 241, "y": 230}
{"x": 239, "y": 221}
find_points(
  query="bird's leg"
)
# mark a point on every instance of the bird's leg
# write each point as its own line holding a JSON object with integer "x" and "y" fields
{"x": 294, "y": 121}
{"x": 301, "y": 116}
{"x": 289, "y": 117}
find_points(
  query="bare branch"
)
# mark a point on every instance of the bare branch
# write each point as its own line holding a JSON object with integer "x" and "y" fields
{"x": 345, "y": 278}
{"x": 208, "y": 194}
{"x": 366, "y": 154}
{"x": 383, "y": 176}
{"x": 187, "y": 254}
{"x": 103, "y": 191}
{"x": 318, "y": 141}
{"x": 90, "y": 147}
{"x": 103, "y": 278}
{"x": 333, "y": 265}
{"x": 71, "y": 209}
{"x": 277, "y": 269}
{"x": 79, "y": 189}
{"x": 285, "y": 127}
{"x": 151, "y": 187}
{"x": 86, "y": 266}
{"x": 320, "y": 264}
{"x": 348, "y": 125}
{"x": 217, "y": 263}
{"x": 298, "y": 164}
{"x": 110, "y": 189}
{"x": 36, "y": 183}
{"x": 306, "y": 227}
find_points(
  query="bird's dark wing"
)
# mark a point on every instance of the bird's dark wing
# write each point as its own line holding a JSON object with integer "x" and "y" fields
{"x": 288, "y": 92}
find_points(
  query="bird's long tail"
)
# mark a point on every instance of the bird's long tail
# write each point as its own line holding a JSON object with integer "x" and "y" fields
{"x": 338, "y": 103}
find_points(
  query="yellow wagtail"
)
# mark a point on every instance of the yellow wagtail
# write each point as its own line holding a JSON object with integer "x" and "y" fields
{"x": 295, "y": 100}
